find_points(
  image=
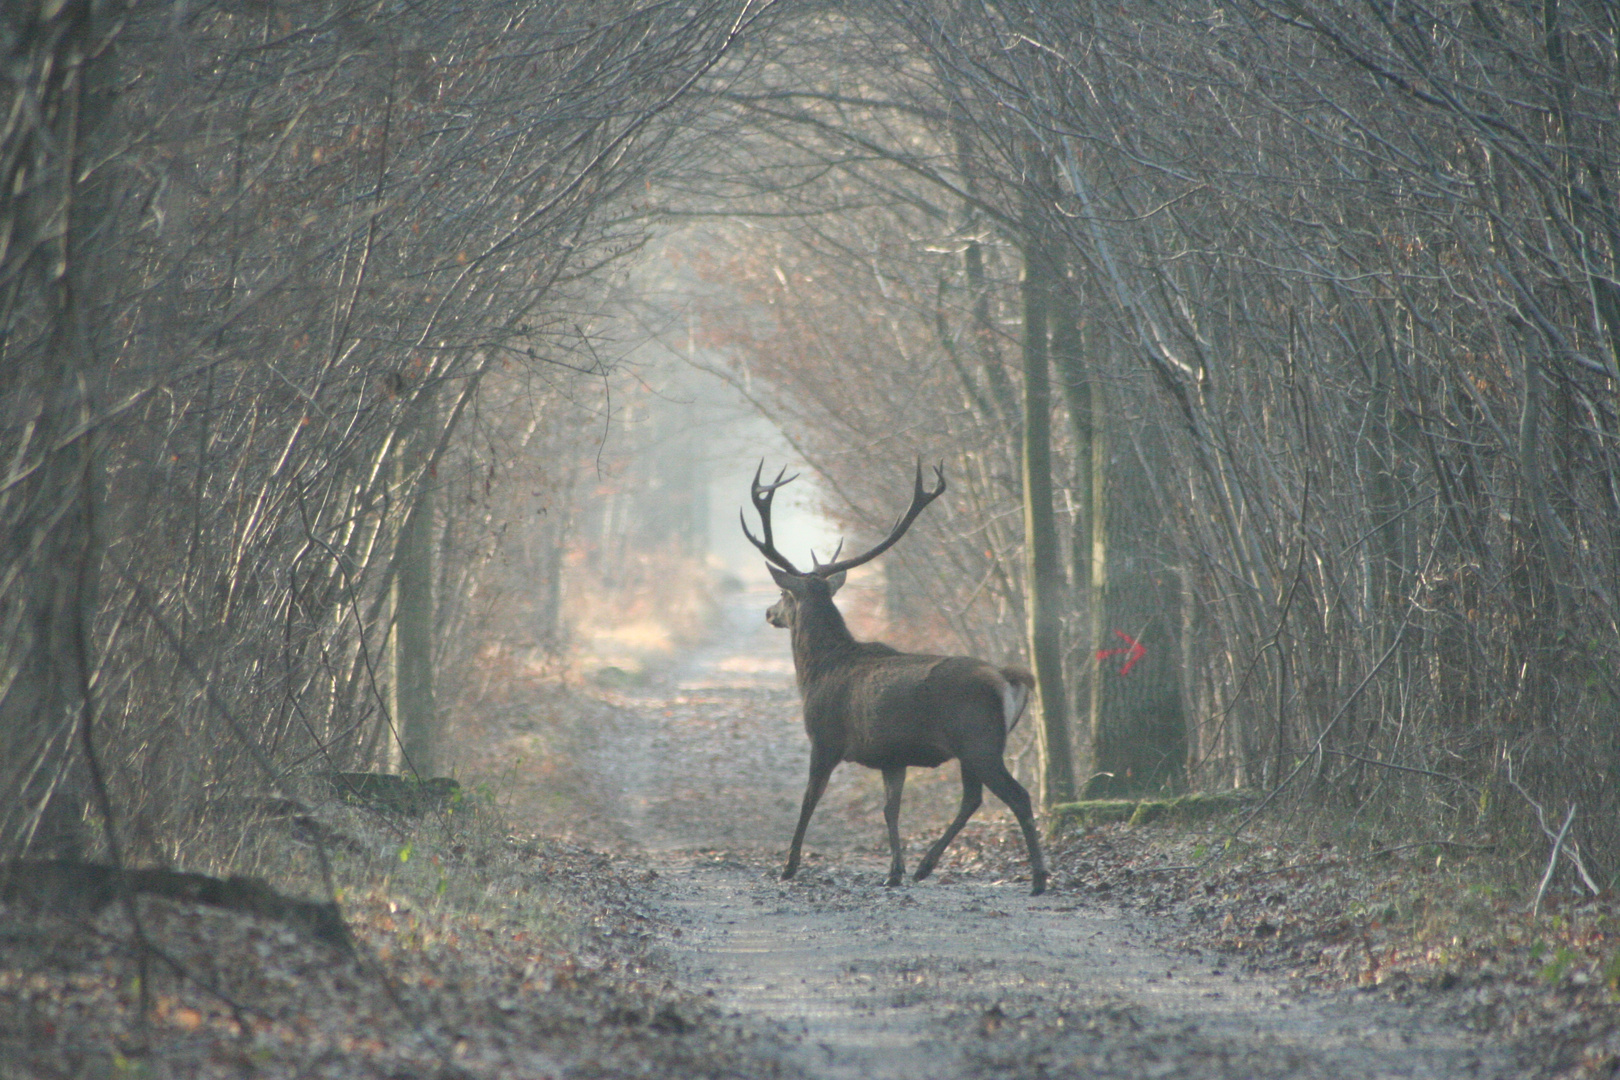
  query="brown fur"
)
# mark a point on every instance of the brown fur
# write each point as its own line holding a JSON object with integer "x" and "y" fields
{"x": 888, "y": 710}
{"x": 871, "y": 704}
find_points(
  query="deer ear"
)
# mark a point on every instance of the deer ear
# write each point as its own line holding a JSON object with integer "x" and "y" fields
{"x": 835, "y": 582}
{"x": 782, "y": 578}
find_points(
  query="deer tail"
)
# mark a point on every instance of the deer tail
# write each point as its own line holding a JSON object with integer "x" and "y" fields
{"x": 1016, "y": 684}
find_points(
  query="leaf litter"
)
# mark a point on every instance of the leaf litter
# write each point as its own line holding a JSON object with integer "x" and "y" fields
{"x": 1427, "y": 926}
{"x": 536, "y": 965}
{"x": 595, "y": 949}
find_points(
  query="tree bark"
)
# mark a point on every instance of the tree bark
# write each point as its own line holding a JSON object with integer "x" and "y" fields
{"x": 1134, "y": 719}
{"x": 1043, "y": 566}
{"x": 415, "y": 706}
{"x": 1137, "y": 723}
{"x": 48, "y": 586}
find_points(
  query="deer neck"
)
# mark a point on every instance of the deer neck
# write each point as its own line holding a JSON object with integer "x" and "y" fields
{"x": 820, "y": 638}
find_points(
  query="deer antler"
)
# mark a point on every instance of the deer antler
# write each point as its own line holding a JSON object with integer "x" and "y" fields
{"x": 920, "y": 498}
{"x": 762, "y": 495}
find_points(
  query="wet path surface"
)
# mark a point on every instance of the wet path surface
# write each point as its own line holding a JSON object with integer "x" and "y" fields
{"x": 958, "y": 976}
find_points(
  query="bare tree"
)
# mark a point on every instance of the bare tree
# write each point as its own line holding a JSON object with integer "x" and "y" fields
{"x": 1332, "y": 301}
{"x": 321, "y": 235}
{"x": 50, "y": 401}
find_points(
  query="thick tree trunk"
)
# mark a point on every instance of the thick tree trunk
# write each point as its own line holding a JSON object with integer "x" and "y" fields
{"x": 48, "y": 550}
{"x": 1043, "y": 566}
{"x": 1137, "y": 722}
{"x": 46, "y": 618}
{"x": 1132, "y": 703}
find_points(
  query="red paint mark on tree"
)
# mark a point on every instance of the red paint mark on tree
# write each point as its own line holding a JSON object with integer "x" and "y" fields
{"x": 1132, "y": 652}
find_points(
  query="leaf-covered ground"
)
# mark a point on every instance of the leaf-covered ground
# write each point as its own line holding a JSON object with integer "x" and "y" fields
{"x": 500, "y": 958}
{"x": 1431, "y": 926}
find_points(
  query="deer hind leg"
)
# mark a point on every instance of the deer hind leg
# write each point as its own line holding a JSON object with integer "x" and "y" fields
{"x": 972, "y": 796}
{"x": 1011, "y": 792}
{"x": 820, "y": 770}
{"x": 894, "y": 784}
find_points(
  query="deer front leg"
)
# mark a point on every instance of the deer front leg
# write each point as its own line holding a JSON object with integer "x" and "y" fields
{"x": 894, "y": 783}
{"x": 820, "y": 770}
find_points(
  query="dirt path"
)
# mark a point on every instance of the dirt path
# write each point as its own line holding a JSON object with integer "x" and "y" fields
{"x": 957, "y": 976}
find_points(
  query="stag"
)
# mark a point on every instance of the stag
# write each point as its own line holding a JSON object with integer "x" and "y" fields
{"x": 887, "y": 710}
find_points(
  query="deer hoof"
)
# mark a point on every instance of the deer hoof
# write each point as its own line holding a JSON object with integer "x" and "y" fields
{"x": 894, "y": 880}
{"x": 788, "y": 873}
{"x": 1040, "y": 883}
{"x": 923, "y": 871}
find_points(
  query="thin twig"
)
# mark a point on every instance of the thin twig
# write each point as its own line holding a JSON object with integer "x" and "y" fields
{"x": 1402, "y": 768}
{"x": 1571, "y": 852}
{"x": 1344, "y": 706}
{"x": 1552, "y": 860}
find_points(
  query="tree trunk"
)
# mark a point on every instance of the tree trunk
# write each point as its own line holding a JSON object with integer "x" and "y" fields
{"x": 1137, "y": 722}
{"x": 415, "y": 708}
{"x": 43, "y": 782}
{"x": 553, "y": 540}
{"x": 1043, "y": 567}
{"x": 49, "y": 557}
{"x": 1134, "y": 716}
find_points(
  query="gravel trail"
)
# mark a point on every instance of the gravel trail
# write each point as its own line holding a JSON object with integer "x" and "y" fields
{"x": 960, "y": 975}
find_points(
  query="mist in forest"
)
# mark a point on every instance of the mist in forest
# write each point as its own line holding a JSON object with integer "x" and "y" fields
{"x": 380, "y": 385}
{"x": 347, "y": 364}
{"x": 685, "y": 436}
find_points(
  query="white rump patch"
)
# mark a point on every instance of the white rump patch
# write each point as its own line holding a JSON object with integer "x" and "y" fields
{"x": 1014, "y": 696}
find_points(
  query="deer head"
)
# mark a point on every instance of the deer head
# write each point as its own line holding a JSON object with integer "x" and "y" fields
{"x": 823, "y": 579}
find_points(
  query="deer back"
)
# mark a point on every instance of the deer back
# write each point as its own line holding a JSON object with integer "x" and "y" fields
{"x": 883, "y": 708}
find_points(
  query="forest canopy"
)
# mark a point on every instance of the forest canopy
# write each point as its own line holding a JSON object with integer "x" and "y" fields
{"x": 1272, "y": 349}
